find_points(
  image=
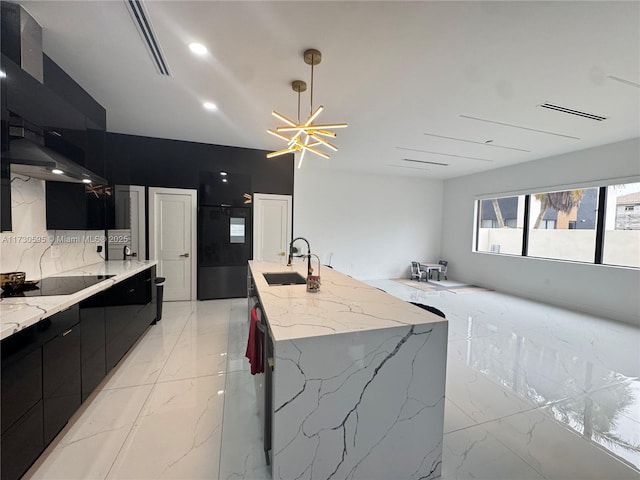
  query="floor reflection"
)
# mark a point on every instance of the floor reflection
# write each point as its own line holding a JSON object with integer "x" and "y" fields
{"x": 600, "y": 404}
{"x": 581, "y": 371}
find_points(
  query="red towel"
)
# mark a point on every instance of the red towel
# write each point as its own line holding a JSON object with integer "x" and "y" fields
{"x": 254, "y": 345}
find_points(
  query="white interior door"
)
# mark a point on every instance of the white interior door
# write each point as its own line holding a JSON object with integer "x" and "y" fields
{"x": 136, "y": 195}
{"x": 271, "y": 226}
{"x": 172, "y": 239}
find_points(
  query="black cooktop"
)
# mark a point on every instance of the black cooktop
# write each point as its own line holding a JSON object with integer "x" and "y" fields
{"x": 57, "y": 286}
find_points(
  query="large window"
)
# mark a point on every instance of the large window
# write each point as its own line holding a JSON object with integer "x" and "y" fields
{"x": 622, "y": 225}
{"x": 591, "y": 224}
{"x": 562, "y": 225}
{"x": 501, "y": 221}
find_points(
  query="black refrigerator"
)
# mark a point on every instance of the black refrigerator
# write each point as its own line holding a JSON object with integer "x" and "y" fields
{"x": 225, "y": 236}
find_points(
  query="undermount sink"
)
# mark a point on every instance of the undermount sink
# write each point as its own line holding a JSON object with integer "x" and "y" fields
{"x": 284, "y": 278}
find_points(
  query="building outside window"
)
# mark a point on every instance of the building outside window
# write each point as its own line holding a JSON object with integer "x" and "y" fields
{"x": 501, "y": 221}
{"x": 563, "y": 225}
{"x": 622, "y": 226}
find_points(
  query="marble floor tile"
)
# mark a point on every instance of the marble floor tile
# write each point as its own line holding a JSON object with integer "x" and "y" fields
{"x": 455, "y": 418}
{"x": 478, "y": 396}
{"x": 473, "y": 453}
{"x": 608, "y": 418}
{"x": 92, "y": 441}
{"x": 177, "y": 434}
{"x": 556, "y": 450}
{"x": 144, "y": 362}
{"x": 199, "y": 351}
{"x": 242, "y": 455}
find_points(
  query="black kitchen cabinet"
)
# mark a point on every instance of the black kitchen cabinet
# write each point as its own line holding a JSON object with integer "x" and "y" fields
{"x": 22, "y": 443}
{"x": 130, "y": 310}
{"x": 50, "y": 368}
{"x": 92, "y": 341}
{"x": 74, "y": 206}
{"x": 22, "y": 421}
{"x": 61, "y": 371}
{"x": 5, "y": 195}
{"x": 21, "y": 375}
{"x": 5, "y": 170}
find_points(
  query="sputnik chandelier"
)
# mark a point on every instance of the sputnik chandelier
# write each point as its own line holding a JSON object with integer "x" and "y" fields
{"x": 314, "y": 134}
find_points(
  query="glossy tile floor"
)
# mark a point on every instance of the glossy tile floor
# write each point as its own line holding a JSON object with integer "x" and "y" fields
{"x": 533, "y": 392}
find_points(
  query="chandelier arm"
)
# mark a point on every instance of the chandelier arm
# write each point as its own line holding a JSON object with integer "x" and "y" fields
{"x": 324, "y": 142}
{"x": 279, "y": 116}
{"x": 325, "y": 133}
{"x": 313, "y": 150}
{"x": 276, "y": 134}
{"x": 281, "y": 152}
{"x": 329, "y": 125}
{"x": 313, "y": 116}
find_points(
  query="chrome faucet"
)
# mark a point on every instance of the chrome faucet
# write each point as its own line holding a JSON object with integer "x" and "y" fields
{"x": 308, "y": 255}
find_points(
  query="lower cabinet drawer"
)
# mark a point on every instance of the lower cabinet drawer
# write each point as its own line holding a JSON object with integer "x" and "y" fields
{"x": 62, "y": 380}
{"x": 22, "y": 444}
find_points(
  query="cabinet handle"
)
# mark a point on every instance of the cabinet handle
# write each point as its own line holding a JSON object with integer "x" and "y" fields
{"x": 132, "y": 290}
{"x": 67, "y": 332}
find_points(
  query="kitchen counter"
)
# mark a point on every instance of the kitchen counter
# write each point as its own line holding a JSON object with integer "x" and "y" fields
{"x": 342, "y": 305}
{"x": 17, "y": 313}
{"x": 358, "y": 380}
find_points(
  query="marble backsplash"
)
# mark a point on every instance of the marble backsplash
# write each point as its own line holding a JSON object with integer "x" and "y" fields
{"x": 33, "y": 249}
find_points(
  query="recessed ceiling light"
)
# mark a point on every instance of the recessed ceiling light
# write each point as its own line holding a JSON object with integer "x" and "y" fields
{"x": 224, "y": 180}
{"x": 86, "y": 180}
{"x": 57, "y": 171}
{"x": 198, "y": 48}
{"x": 224, "y": 174}
{"x": 210, "y": 106}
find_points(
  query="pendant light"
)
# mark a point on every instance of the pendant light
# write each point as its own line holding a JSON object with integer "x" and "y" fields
{"x": 313, "y": 133}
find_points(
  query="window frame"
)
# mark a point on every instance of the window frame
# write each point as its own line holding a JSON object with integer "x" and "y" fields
{"x": 599, "y": 227}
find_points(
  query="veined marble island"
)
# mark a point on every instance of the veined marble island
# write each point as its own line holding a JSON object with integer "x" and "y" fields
{"x": 358, "y": 380}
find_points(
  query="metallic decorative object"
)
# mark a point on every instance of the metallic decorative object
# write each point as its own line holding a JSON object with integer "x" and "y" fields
{"x": 313, "y": 134}
{"x": 12, "y": 280}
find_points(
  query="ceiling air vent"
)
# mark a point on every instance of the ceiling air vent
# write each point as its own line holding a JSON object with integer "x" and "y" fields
{"x": 425, "y": 161}
{"x": 141, "y": 20}
{"x": 570, "y": 111}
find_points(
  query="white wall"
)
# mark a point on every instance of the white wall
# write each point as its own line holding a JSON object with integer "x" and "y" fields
{"x": 602, "y": 290}
{"x": 374, "y": 225}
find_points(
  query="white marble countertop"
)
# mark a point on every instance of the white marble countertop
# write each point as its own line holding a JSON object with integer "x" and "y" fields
{"x": 17, "y": 313}
{"x": 342, "y": 305}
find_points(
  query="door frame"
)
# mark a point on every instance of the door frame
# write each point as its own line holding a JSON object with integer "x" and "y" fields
{"x": 257, "y": 199}
{"x": 137, "y": 219}
{"x": 153, "y": 191}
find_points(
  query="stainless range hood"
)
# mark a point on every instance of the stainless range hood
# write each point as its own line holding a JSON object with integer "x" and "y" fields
{"x": 29, "y": 158}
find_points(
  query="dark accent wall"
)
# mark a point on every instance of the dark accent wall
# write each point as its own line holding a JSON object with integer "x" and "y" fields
{"x": 159, "y": 162}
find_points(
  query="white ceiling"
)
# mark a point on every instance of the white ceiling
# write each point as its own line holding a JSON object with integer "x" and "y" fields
{"x": 395, "y": 71}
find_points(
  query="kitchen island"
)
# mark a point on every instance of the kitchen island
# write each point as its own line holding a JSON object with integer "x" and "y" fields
{"x": 358, "y": 380}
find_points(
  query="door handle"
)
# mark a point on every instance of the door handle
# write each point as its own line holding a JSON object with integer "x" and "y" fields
{"x": 281, "y": 254}
{"x": 185, "y": 255}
